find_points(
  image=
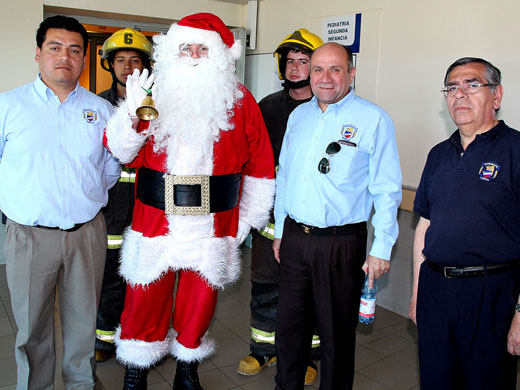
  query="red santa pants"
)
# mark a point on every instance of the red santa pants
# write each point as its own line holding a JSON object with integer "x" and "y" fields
{"x": 147, "y": 312}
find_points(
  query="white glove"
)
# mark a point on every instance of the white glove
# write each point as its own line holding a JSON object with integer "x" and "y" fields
{"x": 242, "y": 231}
{"x": 136, "y": 89}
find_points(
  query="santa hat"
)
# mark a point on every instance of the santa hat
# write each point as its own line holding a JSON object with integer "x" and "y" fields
{"x": 210, "y": 22}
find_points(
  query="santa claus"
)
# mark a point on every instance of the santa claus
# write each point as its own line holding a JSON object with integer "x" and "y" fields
{"x": 205, "y": 177}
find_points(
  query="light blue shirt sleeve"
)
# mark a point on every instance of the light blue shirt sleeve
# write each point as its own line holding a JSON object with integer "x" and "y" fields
{"x": 2, "y": 137}
{"x": 384, "y": 186}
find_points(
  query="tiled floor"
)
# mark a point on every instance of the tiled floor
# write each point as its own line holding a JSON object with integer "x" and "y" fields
{"x": 386, "y": 352}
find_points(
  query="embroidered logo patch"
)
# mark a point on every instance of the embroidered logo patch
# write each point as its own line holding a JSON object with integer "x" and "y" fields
{"x": 488, "y": 170}
{"x": 348, "y": 131}
{"x": 90, "y": 116}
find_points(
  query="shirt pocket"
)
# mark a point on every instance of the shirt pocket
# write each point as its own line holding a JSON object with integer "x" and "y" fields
{"x": 342, "y": 162}
{"x": 88, "y": 141}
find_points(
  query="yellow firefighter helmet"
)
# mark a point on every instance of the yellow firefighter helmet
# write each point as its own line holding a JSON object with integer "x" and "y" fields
{"x": 301, "y": 40}
{"x": 126, "y": 39}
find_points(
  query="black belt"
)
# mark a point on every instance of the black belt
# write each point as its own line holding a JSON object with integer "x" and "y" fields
{"x": 329, "y": 231}
{"x": 210, "y": 194}
{"x": 72, "y": 229}
{"x": 465, "y": 272}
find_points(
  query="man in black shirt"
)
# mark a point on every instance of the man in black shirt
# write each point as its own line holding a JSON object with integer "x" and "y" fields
{"x": 467, "y": 241}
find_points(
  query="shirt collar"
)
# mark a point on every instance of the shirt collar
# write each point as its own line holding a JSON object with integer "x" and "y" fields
{"x": 46, "y": 93}
{"x": 335, "y": 107}
{"x": 495, "y": 131}
{"x": 491, "y": 133}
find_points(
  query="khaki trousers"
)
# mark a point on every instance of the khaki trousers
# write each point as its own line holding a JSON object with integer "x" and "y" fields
{"x": 40, "y": 261}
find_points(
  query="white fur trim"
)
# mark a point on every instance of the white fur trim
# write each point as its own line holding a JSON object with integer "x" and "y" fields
{"x": 187, "y": 34}
{"x": 203, "y": 351}
{"x": 142, "y": 354}
{"x": 122, "y": 139}
{"x": 189, "y": 245}
{"x": 236, "y": 50}
{"x": 243, "y": 231}
{"x": 178, "y": 35}
{"x": 256, "y": 201}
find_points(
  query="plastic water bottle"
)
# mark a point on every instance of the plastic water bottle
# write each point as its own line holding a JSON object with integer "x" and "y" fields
{"x": 367, "y": 306}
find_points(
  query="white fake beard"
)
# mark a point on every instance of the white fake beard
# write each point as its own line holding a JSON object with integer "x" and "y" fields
{"x": 195, "y": 101}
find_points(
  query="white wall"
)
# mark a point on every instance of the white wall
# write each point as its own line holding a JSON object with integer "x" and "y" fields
{"x": 18, "y": 23}
{"x": 261, "y": 75}
{"x": 231, "y": 14}
{"x": 406, "y": 46}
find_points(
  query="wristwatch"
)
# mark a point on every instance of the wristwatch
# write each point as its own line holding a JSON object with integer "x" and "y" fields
{"x": 517, "y": 307}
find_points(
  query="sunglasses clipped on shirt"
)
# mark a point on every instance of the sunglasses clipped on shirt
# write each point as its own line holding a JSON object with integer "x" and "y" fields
{"x": 332, "y": 148}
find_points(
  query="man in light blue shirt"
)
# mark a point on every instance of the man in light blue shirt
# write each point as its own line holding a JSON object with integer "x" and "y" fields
{"x": 55, "y": 176}
{"x": 338, "y": 160}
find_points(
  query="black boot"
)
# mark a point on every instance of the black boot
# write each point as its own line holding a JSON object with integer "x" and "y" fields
{"x": 187, "y": 377}
{"x": 135, "y": 378}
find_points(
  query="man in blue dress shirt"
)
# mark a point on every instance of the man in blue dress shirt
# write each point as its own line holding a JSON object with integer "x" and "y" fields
{"x": 55, "y": 176}
{"x": 338, "y": 160}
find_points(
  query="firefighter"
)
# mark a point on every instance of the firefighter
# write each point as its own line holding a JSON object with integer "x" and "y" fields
{"x": 293, "y": 57}
{"x": 122, "y": 52}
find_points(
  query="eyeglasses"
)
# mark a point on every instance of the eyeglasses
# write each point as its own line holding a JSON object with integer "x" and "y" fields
{"x": 189, "y": 50}
{"x": 467, "y": 88}
{"x": 324, "y": 165}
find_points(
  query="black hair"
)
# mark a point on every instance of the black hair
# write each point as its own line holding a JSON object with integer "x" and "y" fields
{"x": 61, "y": 22}
{"x": 493, "y": 74}
{"x": 144, "y": 58}
{"x": 284, "y": 52}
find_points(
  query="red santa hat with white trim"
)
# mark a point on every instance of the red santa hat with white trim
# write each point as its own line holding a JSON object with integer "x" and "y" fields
{"x": 199, "y": 28}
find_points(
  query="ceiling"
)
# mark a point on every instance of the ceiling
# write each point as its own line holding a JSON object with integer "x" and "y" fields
{"x": 243, "y": 2}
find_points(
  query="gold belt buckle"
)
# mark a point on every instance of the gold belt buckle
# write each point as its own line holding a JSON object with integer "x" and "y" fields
{"x": 169, "y": 199}
{"x": 306, "y": 229}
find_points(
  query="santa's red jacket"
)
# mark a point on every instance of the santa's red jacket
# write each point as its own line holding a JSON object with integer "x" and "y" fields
{"x": 206, "y": 244}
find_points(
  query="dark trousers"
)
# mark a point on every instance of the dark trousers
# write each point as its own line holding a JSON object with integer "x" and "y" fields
{"x": 264, "y": 267}
{"x": 112, "y": 299}
{"x": 320, "y": 283}
{"x": 264, "y": 305}
{"x": 463, "y": 326}
{"x": 265, "y": 288}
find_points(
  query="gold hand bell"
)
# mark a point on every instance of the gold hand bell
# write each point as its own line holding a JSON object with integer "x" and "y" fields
{"x": 147, "y": 110}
